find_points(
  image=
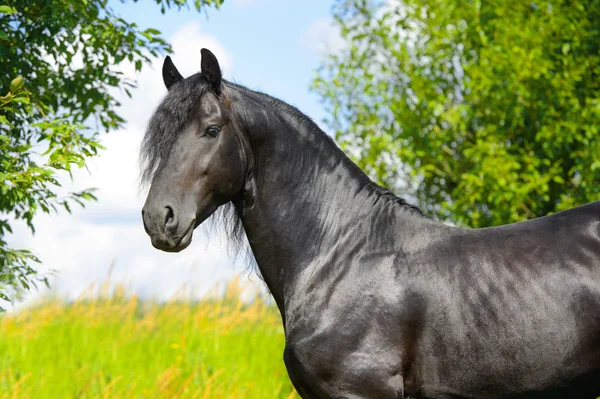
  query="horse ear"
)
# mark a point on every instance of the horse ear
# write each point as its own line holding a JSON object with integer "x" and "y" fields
{"x": 170, "y": 74}
{"x": 211, "y": 70}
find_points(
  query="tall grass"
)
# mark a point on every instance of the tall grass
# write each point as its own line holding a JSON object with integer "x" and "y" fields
{"x": 121, "y": 347}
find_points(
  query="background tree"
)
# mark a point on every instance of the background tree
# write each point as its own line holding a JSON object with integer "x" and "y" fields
{"x": 58, "y": 71}
{"x": 487, "y": 112}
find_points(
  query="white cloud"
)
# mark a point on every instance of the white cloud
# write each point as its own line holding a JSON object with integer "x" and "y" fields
{"x": 323, "y": 37}
{"x": 83, "y": 252}
{"x": 82, "y": 246}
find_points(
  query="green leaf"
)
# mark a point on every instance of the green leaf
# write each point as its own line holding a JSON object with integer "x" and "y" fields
{"x": 16, "y": 84}
{"x": 7, "y": 10}
{"x": 4, "y": 121}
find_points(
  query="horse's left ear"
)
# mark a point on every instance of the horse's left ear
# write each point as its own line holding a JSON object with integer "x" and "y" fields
{"x": 211, "y": 70}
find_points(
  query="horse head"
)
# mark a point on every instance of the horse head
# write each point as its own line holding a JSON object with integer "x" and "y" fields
{"x": 193, "y": 153}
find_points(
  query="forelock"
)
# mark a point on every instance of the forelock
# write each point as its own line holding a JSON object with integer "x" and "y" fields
{"x": 168, "y": 121}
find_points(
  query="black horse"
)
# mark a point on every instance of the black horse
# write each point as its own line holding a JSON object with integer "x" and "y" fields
{"x": 377, "y": 300}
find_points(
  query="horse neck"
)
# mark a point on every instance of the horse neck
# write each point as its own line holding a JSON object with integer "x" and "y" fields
{"x": 301, "y": 195}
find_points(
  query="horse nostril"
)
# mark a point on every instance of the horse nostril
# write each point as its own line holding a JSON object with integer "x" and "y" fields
{"x": 170, "y": 220}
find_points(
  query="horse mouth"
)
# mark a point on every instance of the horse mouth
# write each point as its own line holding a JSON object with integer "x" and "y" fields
{"x": 175, "y": 244}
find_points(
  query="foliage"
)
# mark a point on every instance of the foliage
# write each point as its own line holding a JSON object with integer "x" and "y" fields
{"x": 58, "y": 77}
{"x": 117, "y": 346}
{"x": 487, "y": 111}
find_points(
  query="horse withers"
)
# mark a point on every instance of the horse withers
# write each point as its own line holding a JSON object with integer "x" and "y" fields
{"x": 377, "y": 300}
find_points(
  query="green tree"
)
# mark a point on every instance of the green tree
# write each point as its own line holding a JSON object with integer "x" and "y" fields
{"x": 487, "y": 112}
{"x": 49, "y": 103}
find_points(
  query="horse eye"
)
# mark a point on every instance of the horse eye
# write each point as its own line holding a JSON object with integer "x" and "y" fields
{"x": 213, "y": 131}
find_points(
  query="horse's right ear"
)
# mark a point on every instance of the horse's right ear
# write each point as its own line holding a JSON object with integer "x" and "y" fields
{"x": 170, "y": 74}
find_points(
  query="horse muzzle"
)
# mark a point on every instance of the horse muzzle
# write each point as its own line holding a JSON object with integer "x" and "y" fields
{"x": 165, "y": 229}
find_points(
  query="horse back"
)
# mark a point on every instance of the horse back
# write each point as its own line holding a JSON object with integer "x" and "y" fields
{"x": 519, "y": 305}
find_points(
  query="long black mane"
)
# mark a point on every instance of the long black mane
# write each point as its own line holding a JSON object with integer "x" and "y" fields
{"x": 176, "y": 111}
{"x": 276, "y": 105}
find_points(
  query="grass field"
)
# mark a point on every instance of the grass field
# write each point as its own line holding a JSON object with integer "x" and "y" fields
{"x": 121, "y": 347}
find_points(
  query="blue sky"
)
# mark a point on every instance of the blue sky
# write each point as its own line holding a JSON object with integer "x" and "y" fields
{"x": 270, "y": 41}
{"x": 271, "y": 45}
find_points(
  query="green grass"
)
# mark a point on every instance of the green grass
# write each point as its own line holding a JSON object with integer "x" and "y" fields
{"x": 122, "y": 347}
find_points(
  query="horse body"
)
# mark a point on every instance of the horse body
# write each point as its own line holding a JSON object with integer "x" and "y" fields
{"x": 499, "y": 312}
{"x": 377, "y": 300}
